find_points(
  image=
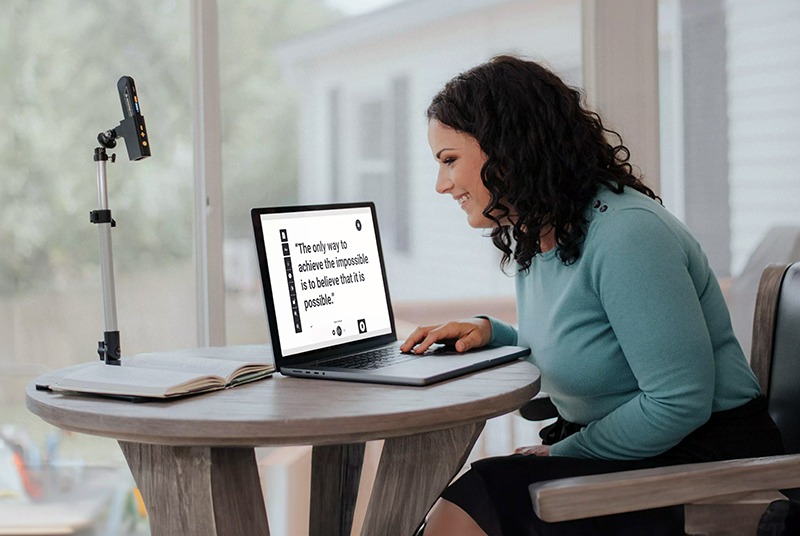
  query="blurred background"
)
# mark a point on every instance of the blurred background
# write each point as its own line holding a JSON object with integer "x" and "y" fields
{"x": 320, "y": 101}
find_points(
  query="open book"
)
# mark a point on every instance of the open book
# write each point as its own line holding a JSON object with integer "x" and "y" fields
{"x": 166, "y": 374}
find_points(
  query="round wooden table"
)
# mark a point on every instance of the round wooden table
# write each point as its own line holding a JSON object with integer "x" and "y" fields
{"x": 194, "y": 461}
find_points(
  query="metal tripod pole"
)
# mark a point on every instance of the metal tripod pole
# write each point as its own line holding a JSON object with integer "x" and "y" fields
{"x": 109, "y": 348}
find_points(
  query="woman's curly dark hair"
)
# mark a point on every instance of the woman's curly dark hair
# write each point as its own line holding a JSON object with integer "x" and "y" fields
{"x": 547, "y": 154}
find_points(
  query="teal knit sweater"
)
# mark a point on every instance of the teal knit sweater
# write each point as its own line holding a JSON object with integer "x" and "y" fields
{"x": 634, "y": 339}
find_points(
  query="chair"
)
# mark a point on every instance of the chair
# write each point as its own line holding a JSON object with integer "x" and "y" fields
{"x": 779, "y": 245}
{"x": 725, "y": 497}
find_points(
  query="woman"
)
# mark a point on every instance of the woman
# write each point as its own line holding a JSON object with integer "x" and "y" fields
{"x": 615, "y": 298}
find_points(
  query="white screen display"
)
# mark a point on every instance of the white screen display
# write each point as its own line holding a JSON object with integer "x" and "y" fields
{"x": 326, "y": 278}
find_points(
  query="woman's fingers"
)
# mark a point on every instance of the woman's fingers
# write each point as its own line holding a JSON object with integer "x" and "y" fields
{"x": 464, "y": 335}
{"x": 450, "y": 333}
{"x": 416, "y": 336}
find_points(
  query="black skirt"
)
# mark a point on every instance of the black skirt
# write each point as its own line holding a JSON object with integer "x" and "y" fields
{"x": 494, "y": 492}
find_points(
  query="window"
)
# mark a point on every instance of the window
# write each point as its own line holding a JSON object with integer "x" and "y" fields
{"x": 60, "y": 62}
{"x": 365, "y": 84}
{"x": 729, "y": 94}
{"x": 381, "y": 161}
{"x": 260, "y": 151}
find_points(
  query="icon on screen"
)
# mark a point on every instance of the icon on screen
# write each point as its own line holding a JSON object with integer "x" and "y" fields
{"x": 358, "y": 225}
{"x": 362, "y": 326}
{"x": 287, "y": 264}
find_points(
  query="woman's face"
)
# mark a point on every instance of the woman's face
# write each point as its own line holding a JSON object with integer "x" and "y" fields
{"x": 460, "y": 161}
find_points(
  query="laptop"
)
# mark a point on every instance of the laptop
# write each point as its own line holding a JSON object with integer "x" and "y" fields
{"x": 327, "y": 301}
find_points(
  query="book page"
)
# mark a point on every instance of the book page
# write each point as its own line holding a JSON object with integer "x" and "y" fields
{"x": 134, "y": 381}
{"x": 184, "y": 363}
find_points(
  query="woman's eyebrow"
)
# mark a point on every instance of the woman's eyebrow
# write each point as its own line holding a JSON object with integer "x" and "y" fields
{"x": 441, "y": 151}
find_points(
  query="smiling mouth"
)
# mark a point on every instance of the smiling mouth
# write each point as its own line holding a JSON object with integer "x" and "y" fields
{"x": 463, "y": 199}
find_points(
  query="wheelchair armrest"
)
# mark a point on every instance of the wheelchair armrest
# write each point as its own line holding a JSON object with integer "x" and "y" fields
{"x": 628, "y": 491}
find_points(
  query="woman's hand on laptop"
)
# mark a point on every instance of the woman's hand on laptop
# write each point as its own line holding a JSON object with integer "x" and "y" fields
{"x": 463, "y": 335}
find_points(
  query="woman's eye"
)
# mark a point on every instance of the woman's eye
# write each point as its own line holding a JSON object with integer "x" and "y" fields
{"x": 448, "y": 160}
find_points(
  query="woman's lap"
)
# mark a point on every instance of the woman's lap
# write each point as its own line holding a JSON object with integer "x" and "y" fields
{"x": 495, "y": 491}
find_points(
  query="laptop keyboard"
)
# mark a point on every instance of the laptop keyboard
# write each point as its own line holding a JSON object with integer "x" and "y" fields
{"x": 373, "y": 359}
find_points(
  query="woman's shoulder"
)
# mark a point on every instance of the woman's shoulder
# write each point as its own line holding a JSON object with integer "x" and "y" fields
{"x": 632, "y": 220}
{"x": 635, "y": 234}
{"x": 610, "y": 201}
{"x": 627, "y": 210}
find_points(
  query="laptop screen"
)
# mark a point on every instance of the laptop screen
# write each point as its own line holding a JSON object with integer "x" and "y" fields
{"x": 323, "y": 276}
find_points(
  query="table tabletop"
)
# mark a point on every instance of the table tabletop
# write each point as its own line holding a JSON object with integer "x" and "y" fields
{"x": 280, "y": 410}
{"x": 193, "y": 458}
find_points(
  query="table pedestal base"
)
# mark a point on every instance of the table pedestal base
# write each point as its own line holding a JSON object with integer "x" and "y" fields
{"x": 335, "y": 476}
{"x": 203, "y": 491}
{"x": 412, "y": 473}
{"x": 215, "y": 491}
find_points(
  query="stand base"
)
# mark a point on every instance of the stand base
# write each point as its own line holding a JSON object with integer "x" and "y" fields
{"x": 109, "y": 349}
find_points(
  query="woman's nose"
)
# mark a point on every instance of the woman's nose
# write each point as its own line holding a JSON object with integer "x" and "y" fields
{"x": 443, "y": 183}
